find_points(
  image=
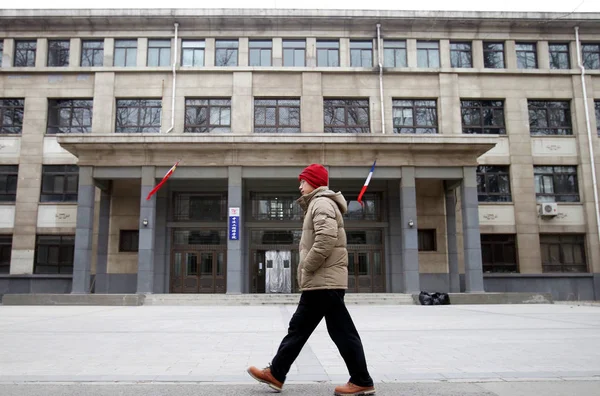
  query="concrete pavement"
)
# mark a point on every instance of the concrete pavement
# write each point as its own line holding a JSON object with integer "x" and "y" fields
{"x": 476, "y": 346}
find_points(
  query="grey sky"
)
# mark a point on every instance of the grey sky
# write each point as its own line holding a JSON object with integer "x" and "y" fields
{"x": 456, "y": 5}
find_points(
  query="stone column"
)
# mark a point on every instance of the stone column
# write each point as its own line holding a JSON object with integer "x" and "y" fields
{"x": 109, "y": 49}
{"x": 75, "y": 52}
{"x": 453, "y": 273}
{"x": 449, "y": 120}
{"x": 102, "y": 250}
{"x": 477, "y": 48}
{"x": 28, "y": 186}
{"x": 8, "y": 52}
{"x": 311, "y": 103}
{"x": 82, "y": 260}
{"x": 241, "y": 103}
{"x": 510, "y": 54}
{"x": 209, "y": 52}
{"x": 445, "y": 54}
{"x": 543, "y": 55}
{"x": 344, "y": 52}
{"x": 410, "y": 240}
{"x": 471, "y": 236}
{"x": 311, "y": 52}
{"x": 235, "y": 273}
{"x": 142, "y": 52}
{"x": 243, "y": 52}
{"x": 41, "y": 52}
{"x": 145, "y": 278}
{"x": 394, "y": 272}
{"x": 161, "y": 261}
{"x": 104, "y": 103}
{"x": 411, "y": 53}
{"x": 277, "y": 52}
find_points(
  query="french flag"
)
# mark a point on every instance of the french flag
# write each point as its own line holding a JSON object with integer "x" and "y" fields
{"x": 362, "y": 192}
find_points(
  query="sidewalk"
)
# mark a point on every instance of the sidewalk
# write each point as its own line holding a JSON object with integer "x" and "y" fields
{"x": 208, "y": 344}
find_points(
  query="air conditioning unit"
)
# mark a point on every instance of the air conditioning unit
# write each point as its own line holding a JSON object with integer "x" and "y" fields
{"x": 548, "y": 209}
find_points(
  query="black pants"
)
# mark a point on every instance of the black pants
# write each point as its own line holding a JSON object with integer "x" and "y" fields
{"x": 313, "y": 306}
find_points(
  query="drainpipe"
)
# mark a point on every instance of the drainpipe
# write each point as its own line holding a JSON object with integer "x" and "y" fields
{"x": 174, "y": 82}
{"x": 589, "y": 130}
{"x": 380, "y": 55}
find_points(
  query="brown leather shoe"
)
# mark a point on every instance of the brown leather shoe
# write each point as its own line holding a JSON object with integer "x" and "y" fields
{"x": 265, "y": 376}
{"x": 354, "y": 390}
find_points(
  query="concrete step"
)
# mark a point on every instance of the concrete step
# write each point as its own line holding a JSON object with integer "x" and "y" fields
{"x": 270, "y": 299}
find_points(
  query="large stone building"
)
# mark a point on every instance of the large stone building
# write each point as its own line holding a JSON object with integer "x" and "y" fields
{"x": 478, "y": 122}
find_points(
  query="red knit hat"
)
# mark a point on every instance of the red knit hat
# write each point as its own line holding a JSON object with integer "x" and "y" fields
{"x": 316, "y": 175}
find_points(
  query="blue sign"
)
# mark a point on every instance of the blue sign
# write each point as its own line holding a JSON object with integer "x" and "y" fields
{"x": 234, "y": 224}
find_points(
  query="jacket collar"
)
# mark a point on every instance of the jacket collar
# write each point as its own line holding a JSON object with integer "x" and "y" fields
{"x": 304, "y": 200}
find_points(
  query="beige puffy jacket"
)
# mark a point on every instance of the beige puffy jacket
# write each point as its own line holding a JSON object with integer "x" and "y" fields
{"x": 323, "y": 255}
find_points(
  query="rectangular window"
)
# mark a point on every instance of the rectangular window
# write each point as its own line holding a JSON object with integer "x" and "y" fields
{"x": 563, "y": 253}
{"x": 9, "y": 175}
{"x": 199, "y": 207}
{"x": 461, "y": 55}
{"x": 60, "y": 183}
{"x": 25, "y": 53}
{"x": 597, "y": 108}
{"x": 526, "y": 55}
{"x": 493, "y": 55}
{"x": 559, "y": 56}
{"x": 138, "y": 115}
{"x": 485, "y": 117}
{"x": 159, "y": 52}
{"x": 54, "y": 254}
{"x": 548, "y": 117}
{"x": 11, "y": 115}
{"x": 346, "y": 115}
{"x": 129, "y": 240}
{"x": 192, "y": 52}
{"x": 493, "y": 183}
{"x": 428, "y": 54}
{"x": 556, "y": 184}
{"x": 92, "y": 53}
{"x": 427, "y": 240}
{"x": 125, "y": 53}
{"x": 414, "y": 116}
{"x": 370, "y": 209}
{"x": 207, "y": 115}
{"x": 590, "y": 54}
{"x": 361, "y": 53}
{"x": 226, "y": 53}
{"x": 294, "y": 53}
{"x": 5, "y": 253}
{"x": 499, "y": 253}
{"x": 394, "y": 53}
{"x": 69, "y": 116}
{"x": 276, "y": 207}
{"x": 260, "y": 52}
{"x": 58, "y": 53}
{"x": 328, "y": 53}
{"x": 277, "y": 115}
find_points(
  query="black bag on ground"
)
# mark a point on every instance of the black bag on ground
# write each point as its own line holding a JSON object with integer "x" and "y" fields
{"x": 434, "y": 298}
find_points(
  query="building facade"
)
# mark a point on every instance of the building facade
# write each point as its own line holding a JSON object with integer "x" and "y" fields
{"x": 482, "y": 126}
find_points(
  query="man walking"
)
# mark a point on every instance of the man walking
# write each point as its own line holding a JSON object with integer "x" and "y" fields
{"x": 323, "y": 279}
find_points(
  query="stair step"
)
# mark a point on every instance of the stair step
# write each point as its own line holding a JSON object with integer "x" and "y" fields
{"x": 270, "y": 299}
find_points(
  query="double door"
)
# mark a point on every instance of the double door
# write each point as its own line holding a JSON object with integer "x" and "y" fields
{"x": 365, "y": 270}
{"x": 198, "y": 271}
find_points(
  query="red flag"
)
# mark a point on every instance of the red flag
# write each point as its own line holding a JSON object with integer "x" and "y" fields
{"x": 164, "y": 179}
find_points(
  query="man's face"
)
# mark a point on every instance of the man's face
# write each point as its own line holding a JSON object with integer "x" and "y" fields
{"x": 305, "y": 188}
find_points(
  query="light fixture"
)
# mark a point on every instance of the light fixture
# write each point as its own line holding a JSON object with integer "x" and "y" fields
{"x": 145, "y": 222}
{"x": 411, "y": 223}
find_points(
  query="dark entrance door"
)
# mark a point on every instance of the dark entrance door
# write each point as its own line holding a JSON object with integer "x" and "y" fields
{"x": 198, "y": 262}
